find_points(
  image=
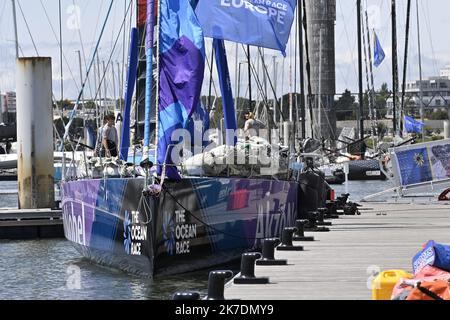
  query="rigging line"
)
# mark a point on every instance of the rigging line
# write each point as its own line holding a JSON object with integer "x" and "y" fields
{"x": 372, "y": 85}
{"x": 348, "y": 39}
{"x": 428, "y": 24}
{"x": 366, "y": 64}
{"x": 84, "y": 55}
{"x": 57, "y": 40}
{"x": 72, "y": 116}
{"x": 120, "y": 75}
{"x": 259, "y": 85}
{"x": 210, "y": 67}
{"x": 28, "y": 28}
{"x": 37, "y": 52}
{"x": 111, "y": 55}
{"x": 270, "y": 83}
{"x": 98, "y": 20}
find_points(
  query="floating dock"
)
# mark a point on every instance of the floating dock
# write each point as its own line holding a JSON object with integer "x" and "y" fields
{"x": 18, "y": 224}
{"x": 340, "y": 264}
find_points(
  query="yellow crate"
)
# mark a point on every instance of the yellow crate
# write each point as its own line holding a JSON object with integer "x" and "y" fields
{"x": 385, "y": 281}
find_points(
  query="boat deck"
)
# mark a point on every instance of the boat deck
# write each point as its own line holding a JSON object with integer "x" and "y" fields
{"x": 339, "y": 264}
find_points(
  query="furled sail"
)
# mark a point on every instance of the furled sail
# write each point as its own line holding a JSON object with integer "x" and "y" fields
{"x": 182, "y": 67}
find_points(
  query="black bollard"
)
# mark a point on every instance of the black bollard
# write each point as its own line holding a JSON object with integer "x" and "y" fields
{"x": 248, "y": 270}
{"x": 312, "y": 226}
{"x": 186, "y": 296}
{"x": 216, "y": 284}
{"x": 321, "y": 217}
{"x": 268, "y": 254}
{"x": 332, "y": 210}
{"x": 300, "y": 234}
{"x": 286, "y": 241}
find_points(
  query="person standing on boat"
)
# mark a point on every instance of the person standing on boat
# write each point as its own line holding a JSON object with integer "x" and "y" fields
{"x": 252, "y": 126}
{"x": 109, "y": 138}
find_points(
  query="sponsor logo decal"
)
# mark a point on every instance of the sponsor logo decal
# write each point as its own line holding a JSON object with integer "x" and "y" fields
{"x": 178, "y": 234}
{"x": 135, "y": 234}
{"x": 74, "y": 224}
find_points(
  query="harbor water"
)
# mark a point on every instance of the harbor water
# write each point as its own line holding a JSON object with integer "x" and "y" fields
{"x": 54, "y": 270}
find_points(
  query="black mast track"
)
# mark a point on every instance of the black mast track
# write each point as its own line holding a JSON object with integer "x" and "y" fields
{"x": 360, "y": 76}
{"x": 302, "y": 75}
{"x": 308, "y": 69}
{"x": 394, "y": 63}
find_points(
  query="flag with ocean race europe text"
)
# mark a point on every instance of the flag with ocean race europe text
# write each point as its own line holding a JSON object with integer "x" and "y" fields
{"x": 182, "y": 66}
{"x": 262, "y": 23}
{"x": 379, "y": 54}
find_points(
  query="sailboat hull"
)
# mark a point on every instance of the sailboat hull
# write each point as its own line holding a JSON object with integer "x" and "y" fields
{"x": 194, "y": 223}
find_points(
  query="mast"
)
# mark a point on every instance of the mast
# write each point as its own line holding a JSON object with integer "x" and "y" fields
{"x": 420, "y": 71}
{"x": 302, "y": 73}
{"x": 158, "y": 60}
{"x": 394, "y": 63}
{"x": 149, "y": 75}
{"x": 15, "y": 28}
{"x": 249, "y": 80}
{"x": 275, "y": 83}
{"x": 99, "y": 74}
{"x": 61, "y": 53}
{"x": 319, "y": 95}
{"x": 236, "y": 77}
{"x": 408, "y": 14}
{"x": 308, "y": 68}
{"x": 81, "y": 82}
{"x": 361, "y": 95}
{"x": 209, "y": 108}
{"x": 120, "y": 87}
{"x": 105, "y": 88}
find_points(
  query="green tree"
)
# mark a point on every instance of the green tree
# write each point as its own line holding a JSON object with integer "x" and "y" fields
{"x": 345, "y": 107}
{"x": 381, "y": 98}
{"x": 64, "y": 104}
{"x": 438, "y": 115}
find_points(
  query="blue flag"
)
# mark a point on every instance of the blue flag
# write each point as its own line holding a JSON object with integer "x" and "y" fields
{"x": 379, "y": 54}
{"x": 260, "y": 23}
{"x": 413, "y": 126}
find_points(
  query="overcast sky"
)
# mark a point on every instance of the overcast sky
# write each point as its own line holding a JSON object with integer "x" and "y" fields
{"x": 434, "y": 18}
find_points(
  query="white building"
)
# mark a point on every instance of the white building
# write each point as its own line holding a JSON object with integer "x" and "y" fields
{"x": 11, "y": 102}
{"x": 3, "y": 108}
{"x": 445, "y": 72}
{"x": 435, "y": 93}
{"x": 8, "y": 107}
